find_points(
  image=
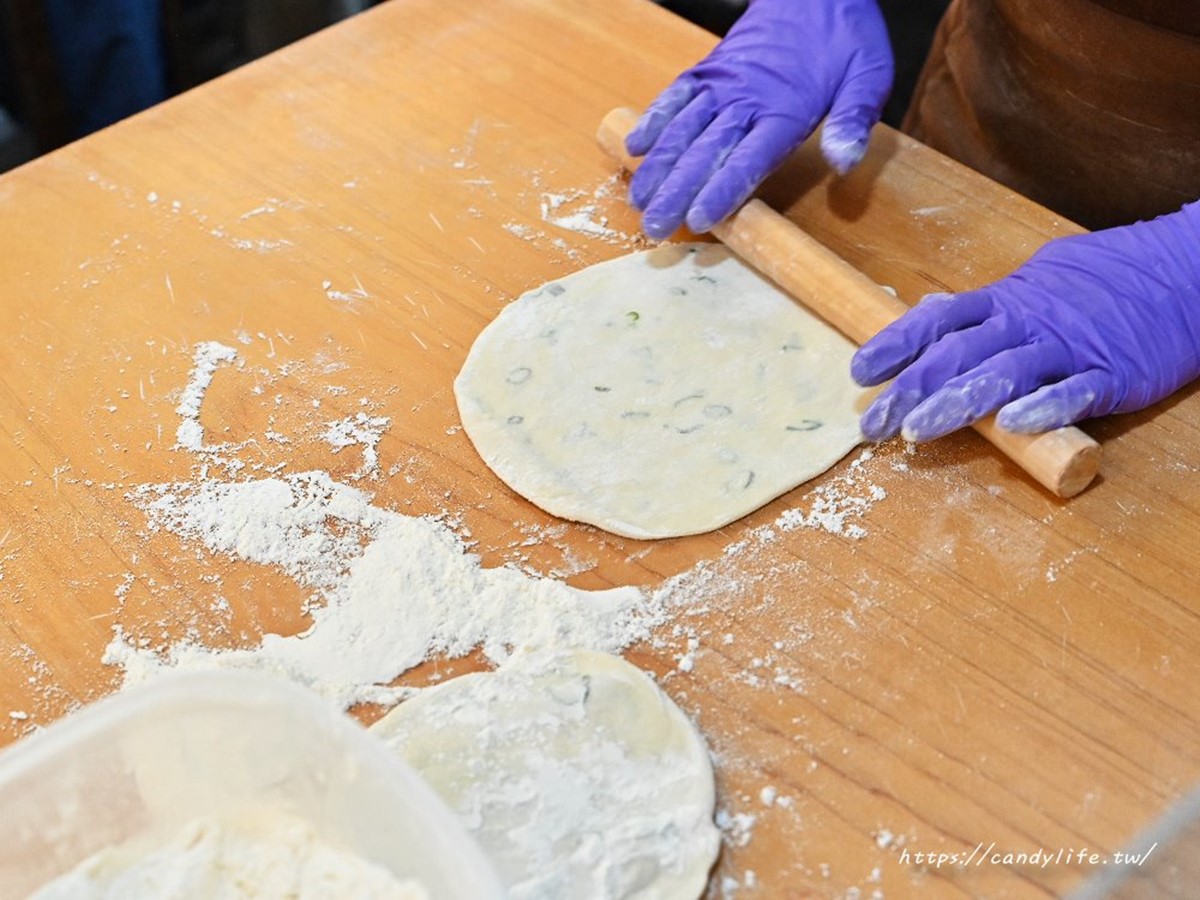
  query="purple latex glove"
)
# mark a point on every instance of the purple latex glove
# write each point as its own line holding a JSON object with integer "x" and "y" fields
{"x": 727, "y": 122}
{"x": 1090, "y": 325}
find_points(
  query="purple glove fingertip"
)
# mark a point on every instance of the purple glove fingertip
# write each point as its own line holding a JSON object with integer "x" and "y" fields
{"x": 666, "y": 161}
{"x": 676, "y": 196}
{"x": 903, "y": 341}
{"x": 660, "y": 225}
{"x": 842, "y": 147}
{"x": 875, "y": 362}
{"x": 944, "y": 412}
{"x": 860, "y": 98}
{"x": 665, "y": 212}
{"x": 961, "y": 402}
{"x": 1055, "y": 405}
{"x": 760, "y": 147}
{"x": 704, "y": 214}
{"x": 658, "y": 115}
{"x": 885, "y": 415}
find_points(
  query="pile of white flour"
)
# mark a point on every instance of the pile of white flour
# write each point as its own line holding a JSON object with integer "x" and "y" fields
{"x": 257, "y": 855}
{"x": 390, "y": 590}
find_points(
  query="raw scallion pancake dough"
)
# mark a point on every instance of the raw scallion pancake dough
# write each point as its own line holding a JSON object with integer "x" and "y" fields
{"x": 576, "y": 775}
{"x": 659, "y": 394}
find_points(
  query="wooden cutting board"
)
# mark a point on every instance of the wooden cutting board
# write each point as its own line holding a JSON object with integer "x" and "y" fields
{"x": 920, "y": 652}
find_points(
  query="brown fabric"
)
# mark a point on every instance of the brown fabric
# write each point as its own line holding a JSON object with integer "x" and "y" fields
{"x": 1085, "y": 106}
{"x": 1174, "y": 15}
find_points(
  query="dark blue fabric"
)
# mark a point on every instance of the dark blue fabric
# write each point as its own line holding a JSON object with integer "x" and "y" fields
{"x": 111, "y": 58}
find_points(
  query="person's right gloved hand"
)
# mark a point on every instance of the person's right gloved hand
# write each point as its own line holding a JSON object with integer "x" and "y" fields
{"x": 723, "y": 125}
{"x": 1089, "y": 325}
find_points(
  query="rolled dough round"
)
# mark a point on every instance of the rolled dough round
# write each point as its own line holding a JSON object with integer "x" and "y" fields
{"x": 659, "y": 394}
{"x": 575, "y": 773}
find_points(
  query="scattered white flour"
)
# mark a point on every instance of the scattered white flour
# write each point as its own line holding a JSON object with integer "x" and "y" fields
{"x": 522, "y": 231}
{"x": 565, "y": 211}
{"x": 579, "y": 210}
{"x": 536, "y": 237}
{"x": 884, "y": 838}
{"x": 259, "y": 245}
{"x": 390, "y": 590}
{"x": 1053, "y": 570}
{"x": 838, "y": 502}
{"x": 737, "y": 828}
{"x": 464, "y": 153}
{"x": 207, "y": 357}
{"x": 270, "y": 205}
{"x": 358, "y": 292}
{"x": 260, "y": 854}
{"x": 359, "y": 429}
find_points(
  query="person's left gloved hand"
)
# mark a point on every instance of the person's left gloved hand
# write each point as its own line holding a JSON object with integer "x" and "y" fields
{"x": 1090, "y": 325}
{"x": 727, "y": 122}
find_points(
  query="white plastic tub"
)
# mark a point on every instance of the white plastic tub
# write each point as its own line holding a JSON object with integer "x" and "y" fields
{"x": 140, "y": 765}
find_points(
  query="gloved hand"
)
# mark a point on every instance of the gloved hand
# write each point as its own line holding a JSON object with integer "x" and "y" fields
{"x": 1091, "y": 324}
{"x": 727, "y": 122}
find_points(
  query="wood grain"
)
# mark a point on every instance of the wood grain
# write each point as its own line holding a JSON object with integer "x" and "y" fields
{"x": 983, "y": 663}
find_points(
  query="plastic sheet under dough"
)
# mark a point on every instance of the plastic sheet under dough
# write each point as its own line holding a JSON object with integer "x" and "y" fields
{"x": 573, "y": 771}
{"x": 659, "y": 394}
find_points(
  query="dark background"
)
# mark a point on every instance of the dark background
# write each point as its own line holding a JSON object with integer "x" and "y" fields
{"x": 205, "y": 38}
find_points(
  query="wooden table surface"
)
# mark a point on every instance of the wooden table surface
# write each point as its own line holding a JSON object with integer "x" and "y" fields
{"x": 968, "y": 661}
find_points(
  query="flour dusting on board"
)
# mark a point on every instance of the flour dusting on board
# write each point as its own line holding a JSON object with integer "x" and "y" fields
{"x": 208, "y": 356}
{"x": 389, "y": 591}
{"x": 577, "y": 210}
{"x": 400, "y": 589}
{"x": 565, "y": 211}
{"x": 359, "y": 430}
{"x": 838, "y": 503}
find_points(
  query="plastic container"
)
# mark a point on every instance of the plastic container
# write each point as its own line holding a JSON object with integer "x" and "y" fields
{"x": 142, "y": 764}
{"x": 1161, "y": 863}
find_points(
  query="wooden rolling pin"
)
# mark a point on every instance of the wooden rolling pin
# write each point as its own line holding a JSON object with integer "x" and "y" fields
{"x": 1064, "y": 460}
